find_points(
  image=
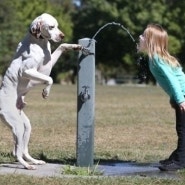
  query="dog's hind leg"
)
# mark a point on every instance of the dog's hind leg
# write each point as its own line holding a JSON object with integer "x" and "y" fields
{"x": 26, "y": 137}
{"x": 14, "y": 120}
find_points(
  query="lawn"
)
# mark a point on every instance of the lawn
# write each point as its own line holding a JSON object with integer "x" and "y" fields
{"x": 131, "y": 123}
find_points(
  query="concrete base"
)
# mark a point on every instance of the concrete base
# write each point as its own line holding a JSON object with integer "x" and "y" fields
{"x": 115, "y": 169}
{"x": 47, "y": 170}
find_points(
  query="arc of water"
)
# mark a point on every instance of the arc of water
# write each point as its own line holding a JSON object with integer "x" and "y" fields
{"x": 85, "y": 50}
{"x": 116, "y": 24}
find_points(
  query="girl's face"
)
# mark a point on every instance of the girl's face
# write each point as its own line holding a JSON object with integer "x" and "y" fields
{"x": 142, "y": 44}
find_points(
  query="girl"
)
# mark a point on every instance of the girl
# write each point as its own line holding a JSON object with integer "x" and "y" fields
{"x": 169, "y": 75}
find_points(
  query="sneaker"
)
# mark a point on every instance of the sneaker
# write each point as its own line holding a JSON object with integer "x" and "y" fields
{"x": 171, "y": 167}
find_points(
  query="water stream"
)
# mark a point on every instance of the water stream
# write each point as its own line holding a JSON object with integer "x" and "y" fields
{"x": 114, "y": 24}
{"x": 86, "y": 51}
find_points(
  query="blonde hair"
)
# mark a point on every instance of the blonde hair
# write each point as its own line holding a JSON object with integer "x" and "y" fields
{"x": 156, "y": 42}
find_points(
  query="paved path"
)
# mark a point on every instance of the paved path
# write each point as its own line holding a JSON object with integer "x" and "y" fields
{"x": 120, "y": 169}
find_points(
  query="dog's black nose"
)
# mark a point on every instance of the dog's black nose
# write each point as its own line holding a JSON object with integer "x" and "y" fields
{"x": 62, "y": 35}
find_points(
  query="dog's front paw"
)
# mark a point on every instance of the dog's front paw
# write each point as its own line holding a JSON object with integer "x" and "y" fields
{"x": 77, "y": 46}
{"x": 45, "y": 93}
{"x": 46, "y": 90}
{"x": 66, "y": 47}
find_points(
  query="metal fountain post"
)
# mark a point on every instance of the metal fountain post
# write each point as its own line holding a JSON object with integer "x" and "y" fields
{"x": 86, "y": 97}
{"x": 86, "y": 104}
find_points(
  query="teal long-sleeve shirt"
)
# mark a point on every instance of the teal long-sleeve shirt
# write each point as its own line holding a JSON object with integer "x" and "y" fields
{"x": 171, "y": 79}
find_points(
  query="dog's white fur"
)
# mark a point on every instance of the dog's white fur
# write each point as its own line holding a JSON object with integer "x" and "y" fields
{"x": 32, "y": 65}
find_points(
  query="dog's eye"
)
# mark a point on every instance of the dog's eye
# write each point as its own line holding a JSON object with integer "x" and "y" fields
{"x": 51, "y": 27}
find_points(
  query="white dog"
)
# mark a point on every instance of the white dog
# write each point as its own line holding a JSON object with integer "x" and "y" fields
{"x": 32, "y": 65}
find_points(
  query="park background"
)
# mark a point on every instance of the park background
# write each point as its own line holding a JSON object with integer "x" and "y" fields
{"x": 132, "y": 122}
{"x": 115, "y": 51}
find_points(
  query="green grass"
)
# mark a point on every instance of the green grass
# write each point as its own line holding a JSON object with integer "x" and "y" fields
{"x": 81, "y": 171}
{"x": 131, "y": 123}
{"x": 26, "y": 180}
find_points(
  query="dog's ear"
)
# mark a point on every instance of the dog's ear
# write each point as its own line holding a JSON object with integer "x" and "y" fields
{"x": 35, "y": 27}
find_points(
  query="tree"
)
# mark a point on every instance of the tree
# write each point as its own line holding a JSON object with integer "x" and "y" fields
{"x": 16, "y": 16}
{"x": 114, "y": 48}
{"x": 8, "y": 33}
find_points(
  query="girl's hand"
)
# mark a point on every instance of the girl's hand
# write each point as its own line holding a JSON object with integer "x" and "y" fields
{"x": 182, "y": 106}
